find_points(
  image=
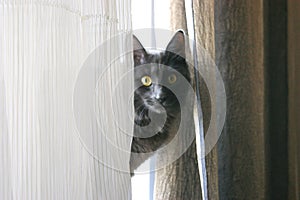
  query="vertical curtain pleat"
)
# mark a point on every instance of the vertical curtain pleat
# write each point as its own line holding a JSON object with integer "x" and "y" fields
{"x": 44, "y": 45}
{"x": 254, "y": 45}
{"x": 181, "y": 179}
{"x": 239, "y": 42}
{"x": 203, "y": 15}
{"x": 294, "y": 98}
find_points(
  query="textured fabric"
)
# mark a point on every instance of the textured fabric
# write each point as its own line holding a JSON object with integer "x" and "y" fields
{"x": 248, "y": 42}
{"x": 203, "y": 12}
{"x": 184, "y": 171}
{"x": 44, "y": 154}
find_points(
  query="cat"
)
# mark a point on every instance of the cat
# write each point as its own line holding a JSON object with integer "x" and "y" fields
{"x": 155, "y": 103}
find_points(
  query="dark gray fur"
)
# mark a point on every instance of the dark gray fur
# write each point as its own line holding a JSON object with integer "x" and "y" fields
{"x": 172, "y": 57}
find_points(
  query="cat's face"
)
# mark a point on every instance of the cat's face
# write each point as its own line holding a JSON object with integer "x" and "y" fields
{"x": 156, "y": 76}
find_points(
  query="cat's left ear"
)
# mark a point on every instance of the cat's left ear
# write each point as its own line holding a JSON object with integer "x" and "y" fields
{"x": 177, "y": 44}
{"x": 139, "y": 52}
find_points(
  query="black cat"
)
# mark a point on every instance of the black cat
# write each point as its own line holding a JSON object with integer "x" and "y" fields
{"x": 157, "y": 109}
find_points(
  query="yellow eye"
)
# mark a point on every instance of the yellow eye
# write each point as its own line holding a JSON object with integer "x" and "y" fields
{"x": 146, "y": 81}
{"x": 172, "y": 79}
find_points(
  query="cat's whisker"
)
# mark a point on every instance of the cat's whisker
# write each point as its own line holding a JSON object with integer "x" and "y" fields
{"x": 143, "y": 111}
{"x": 156, "y": 102}
{"x": 139, "y": 107}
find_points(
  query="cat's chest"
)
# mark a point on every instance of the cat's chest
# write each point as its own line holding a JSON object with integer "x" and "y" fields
{"x": 154, "y": 136}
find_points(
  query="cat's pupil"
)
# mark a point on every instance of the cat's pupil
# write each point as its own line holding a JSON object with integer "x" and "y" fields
{"x": 146, "y": 81}
{"x": 157, "y": 108}
{"x": 172, "y": 79}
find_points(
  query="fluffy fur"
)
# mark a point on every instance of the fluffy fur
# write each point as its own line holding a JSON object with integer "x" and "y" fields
{"x": 157, "y": 101}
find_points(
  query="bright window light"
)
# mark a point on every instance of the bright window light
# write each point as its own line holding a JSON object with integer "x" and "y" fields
{"x": 142, "y": 18}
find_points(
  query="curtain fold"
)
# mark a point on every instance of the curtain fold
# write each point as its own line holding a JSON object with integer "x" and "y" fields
{"x": 202, "y": 22}
{"x": 240, "y": 51}
{"x": 203, "y": 16}
{"x": 184, "y": 172}
{"x": 44, "y": 47}
{"x": 294, "y": 98}
{"x": 248, "y": 41}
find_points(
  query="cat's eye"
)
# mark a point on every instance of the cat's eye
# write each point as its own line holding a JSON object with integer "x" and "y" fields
{"x": 172, "y": 79}
{"x": 146, "y": 81}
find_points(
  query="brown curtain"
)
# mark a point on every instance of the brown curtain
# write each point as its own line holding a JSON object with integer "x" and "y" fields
{"x": 240, "y": 57}
{"x": 181, "y": 179}
{"x": 254, "y": 47}
{"x": 294, "y": 98}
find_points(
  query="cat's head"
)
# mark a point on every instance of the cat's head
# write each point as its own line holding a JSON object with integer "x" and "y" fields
{"x": 158, "y": 74}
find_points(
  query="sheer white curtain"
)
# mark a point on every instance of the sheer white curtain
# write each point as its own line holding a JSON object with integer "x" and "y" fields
{"x": 51, "y": 144}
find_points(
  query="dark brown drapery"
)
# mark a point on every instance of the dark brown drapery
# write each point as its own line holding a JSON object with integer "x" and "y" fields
{"x": 256, "y": 46}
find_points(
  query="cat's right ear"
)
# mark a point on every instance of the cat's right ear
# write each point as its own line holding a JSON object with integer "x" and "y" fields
{"x": 139, "y": 52}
